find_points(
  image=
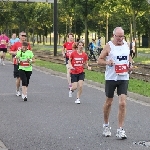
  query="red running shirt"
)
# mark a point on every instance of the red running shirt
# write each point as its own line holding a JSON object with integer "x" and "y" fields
{"x": 77, "y": 61}
{"x": 16, "y": 47}
{"x": 68, "y": 47}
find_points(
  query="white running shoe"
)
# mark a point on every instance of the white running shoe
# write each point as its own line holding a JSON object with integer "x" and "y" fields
{"x": 70, "y": 93}
{"x": 3, "y": 63}
{"x": 121, "y": 134}
{"x": 106, "y": 131}
{"x": 24, "y": 97}
{"x": 18, "y": 93}
{"x": 77, "y": 101}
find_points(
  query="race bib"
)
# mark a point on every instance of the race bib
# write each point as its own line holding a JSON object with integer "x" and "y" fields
{"x": 121, "y": 69}
{"x": 3, "y": 41}
{"x": 68, "y": 53}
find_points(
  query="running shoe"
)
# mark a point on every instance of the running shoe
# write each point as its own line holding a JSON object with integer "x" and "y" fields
{"x": 121, "y": 134}
{"x": 106, "y": 131}
{"x": 77, "y": 101}
{"x": 3, "y": 63}
{"x": 25, "y": 98}
{"x": 18, "y": 93}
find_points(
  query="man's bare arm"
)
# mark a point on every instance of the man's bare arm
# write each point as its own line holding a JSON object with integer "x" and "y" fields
{"x": 102, "y": 57}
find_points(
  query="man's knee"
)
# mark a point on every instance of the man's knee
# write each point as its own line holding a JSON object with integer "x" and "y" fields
{"x": 109, "y": 101}
{"x": 74, "y": 86}
{"x": 122, "y": 100}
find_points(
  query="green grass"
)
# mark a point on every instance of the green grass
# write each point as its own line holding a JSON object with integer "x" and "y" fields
{"x": 94, "y": 76}
{"x": 45, "y": 47}
{"x": 142, "y": 59}
{"x": 140, "y": 87}
{"x": 50, "y": 65}
{"x": 143, "y": 56}
{"x": 143, "y": 50}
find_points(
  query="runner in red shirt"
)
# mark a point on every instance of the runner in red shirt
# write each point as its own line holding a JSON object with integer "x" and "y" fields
{"x": 67, "y": 50}
{"x": 17, "y": 46}
{"x": 4, "y": 40}
{"x": 78, "y": 60}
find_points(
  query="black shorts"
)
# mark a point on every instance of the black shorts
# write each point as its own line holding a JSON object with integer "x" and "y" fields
{"x": 67, "y": 60}
{"x": 111, "y": 85}
{"x": 16, "y": 71}
{"x": 4, "y": 50}
{"x": 77, "y": 77}
{"x": 25, "y": 77}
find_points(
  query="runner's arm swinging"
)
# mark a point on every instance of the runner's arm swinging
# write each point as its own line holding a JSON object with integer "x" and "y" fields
{"x": 63, "y": 51}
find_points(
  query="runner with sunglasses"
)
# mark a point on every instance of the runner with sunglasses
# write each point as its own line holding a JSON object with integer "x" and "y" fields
{"x": 13, "y": 51}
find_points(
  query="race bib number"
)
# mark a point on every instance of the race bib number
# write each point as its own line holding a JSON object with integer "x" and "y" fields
{"x": 3, "y": 41}
{"x": 121, "y": 69}
{"x": 68, "y": 53}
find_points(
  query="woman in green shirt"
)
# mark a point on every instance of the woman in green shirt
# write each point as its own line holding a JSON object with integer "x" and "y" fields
{"x": 25, "y": 58}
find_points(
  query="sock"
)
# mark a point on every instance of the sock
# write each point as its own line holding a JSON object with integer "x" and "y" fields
{"x": 106, "y": 125}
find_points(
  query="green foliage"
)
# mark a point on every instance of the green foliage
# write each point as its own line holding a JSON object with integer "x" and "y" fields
{"x": 74, "y": 14}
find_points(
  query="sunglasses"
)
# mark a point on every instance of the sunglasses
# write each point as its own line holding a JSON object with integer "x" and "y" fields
{"x": 24, "y": 35}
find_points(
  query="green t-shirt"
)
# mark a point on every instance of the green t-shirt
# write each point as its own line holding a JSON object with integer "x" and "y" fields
{"x": 24, "y": 56}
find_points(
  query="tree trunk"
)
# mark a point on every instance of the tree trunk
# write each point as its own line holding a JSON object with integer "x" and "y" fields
{"x": 46, "y": 39}
{"x": 139, "y": 39}
{"x": 59, "y": 39}
{"x": 43, "y": 40}
{"x": 106, "y": 39}
{"x": 33, "y": 39}
{"x": 95, "y": 36}
{"x": 130, "y": 30}
{"x": 148, "y": 38}
{"x": 86, "y": 34}
{"x": 37, "y": 38}
{"x": 50, "y": 38}
{"x": 134, "y": 32}
{"x": 40, "y": 38}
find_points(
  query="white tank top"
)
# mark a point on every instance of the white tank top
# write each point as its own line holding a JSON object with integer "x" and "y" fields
{"x": 120, "y": 57}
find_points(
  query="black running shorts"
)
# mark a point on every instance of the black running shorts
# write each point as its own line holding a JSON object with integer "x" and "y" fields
{"x": 16, "y": 71}
{"x": 4, "y": 50}
{"x": 77, "y": 77}
{"x": 111, "y": 85}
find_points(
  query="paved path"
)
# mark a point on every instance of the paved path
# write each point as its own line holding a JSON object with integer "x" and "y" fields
{"x": 50, "y": 120}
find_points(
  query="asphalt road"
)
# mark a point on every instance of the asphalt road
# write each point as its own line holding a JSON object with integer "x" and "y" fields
{"x": 50, "y": 120}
